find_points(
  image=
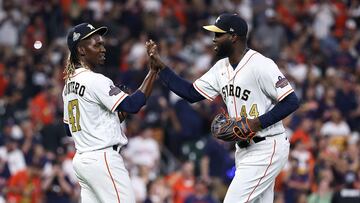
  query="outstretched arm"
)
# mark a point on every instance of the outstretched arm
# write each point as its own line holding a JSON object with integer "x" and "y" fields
{"x": 148, "y": 83}
{"x": 175, "y": 83}
{"x": 134, "y": 102}
{"x": 180, "y": 86}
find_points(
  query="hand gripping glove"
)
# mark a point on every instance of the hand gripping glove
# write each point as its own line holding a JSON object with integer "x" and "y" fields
{"x": 229, "y": 129}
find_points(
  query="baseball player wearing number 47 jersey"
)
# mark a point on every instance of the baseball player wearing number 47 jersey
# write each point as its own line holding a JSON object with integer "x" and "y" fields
{"x": 91, "y": 106}
{"x": 257, "y": 96}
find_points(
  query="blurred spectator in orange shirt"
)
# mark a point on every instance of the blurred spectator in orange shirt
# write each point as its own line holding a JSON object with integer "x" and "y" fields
{"x": 158, "y": 192}
{"x": 182, "y": 182}
{"x": 43, "y": 107}
{"x": 3, "y": 80}
{"x": 25, "y": 186}
{"x": 302, "y": 134}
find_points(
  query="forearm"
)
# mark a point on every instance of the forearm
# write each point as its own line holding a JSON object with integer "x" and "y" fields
{"x": 281, "y": 110}
{"x": 179, "y": 86}
{"x": 148, "y": 83}
{"x": 132, "y": 103}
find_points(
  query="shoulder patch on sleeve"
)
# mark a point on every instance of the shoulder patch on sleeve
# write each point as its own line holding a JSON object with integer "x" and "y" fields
{"x": 114, "y": 90}
{"x": 282, "y": 82}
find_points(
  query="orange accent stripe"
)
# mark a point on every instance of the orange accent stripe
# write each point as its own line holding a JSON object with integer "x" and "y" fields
{"x": 284, "y": 95}
{"x": 204, "y": 94}
{"x": 264, "y": 173}
{"x": 78, "y": 73}
{"x": 112, "y": 179}
{"x": 228, "y": 74}
{"x": 244, "y": 64}
{"x": 117, "y": 102}
{"x": 236, "y": 114}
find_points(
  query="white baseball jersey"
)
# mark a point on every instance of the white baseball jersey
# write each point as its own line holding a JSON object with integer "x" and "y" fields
{"x": 251, "y": 89}
{"x": 90, "y": 100}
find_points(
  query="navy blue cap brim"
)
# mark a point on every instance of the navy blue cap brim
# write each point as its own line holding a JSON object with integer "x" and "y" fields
{"x": 101, "y": 31}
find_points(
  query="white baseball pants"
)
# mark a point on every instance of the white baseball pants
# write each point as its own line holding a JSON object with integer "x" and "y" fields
{"x": 103, "y": 177}
{"x": 256, "y": 169}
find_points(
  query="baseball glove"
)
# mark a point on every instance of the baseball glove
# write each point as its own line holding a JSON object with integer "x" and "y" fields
{"x": 230, "y": 129}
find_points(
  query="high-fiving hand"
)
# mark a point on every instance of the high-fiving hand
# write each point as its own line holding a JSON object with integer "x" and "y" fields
{"x": 155, "y": 61}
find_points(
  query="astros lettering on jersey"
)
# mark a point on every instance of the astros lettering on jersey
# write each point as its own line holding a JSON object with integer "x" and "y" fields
{"x": 250, "y": 90}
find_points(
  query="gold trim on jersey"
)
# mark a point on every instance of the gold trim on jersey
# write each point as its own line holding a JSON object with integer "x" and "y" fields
{"x": 285, "y": 94}
{"x": 118, "y": 101}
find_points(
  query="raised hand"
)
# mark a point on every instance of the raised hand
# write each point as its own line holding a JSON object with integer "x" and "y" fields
{"x": 155, "y": 61}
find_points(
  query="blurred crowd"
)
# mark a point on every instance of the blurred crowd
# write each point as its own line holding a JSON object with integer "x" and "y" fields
{"x": 171, "y": 155}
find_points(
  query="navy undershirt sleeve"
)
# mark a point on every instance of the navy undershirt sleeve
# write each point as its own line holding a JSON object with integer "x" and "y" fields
{"x": 132, "y": 103}
{"x": 180, "y": 86}
{"x": 67, "y": 129}
{"x": 282, "y": 109}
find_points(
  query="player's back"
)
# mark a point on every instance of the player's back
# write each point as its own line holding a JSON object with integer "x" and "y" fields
{"x": 92, "y": 124}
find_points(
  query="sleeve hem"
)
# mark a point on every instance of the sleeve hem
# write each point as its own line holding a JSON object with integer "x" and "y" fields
{"x": 118, "y": 102}
{"x": 202, "y": 93}
{"x": 285, "y": 94}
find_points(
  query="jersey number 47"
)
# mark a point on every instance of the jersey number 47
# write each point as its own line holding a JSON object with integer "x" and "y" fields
{"x": 74, "y": 115}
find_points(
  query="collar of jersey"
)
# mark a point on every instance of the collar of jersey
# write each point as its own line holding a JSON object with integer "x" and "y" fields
{"x": 78, "y": 71}
{"x": 241, "y": 64}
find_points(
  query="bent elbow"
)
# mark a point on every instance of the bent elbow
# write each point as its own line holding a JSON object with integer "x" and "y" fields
{"x": 191, "y": 101}
{"x": 296, "y": 104}
{"x": 134, "y": 109}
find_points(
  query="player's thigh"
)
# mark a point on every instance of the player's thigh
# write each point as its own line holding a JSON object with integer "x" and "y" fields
{"x": 114, "y": 184}
{"x": 83, "y": 165}
{"x": 256, "y": 170}
{"x": 248, "y": 185}
{"x": 267, "y": 196}
{"x": 87, "y": 195}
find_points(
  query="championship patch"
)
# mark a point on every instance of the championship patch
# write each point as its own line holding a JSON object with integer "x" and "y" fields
{"x": 282, "y": 82}
{"x": 114, "y": 90}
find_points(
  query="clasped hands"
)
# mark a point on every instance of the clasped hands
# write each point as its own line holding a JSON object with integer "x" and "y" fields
{"x": 155, "y": 62}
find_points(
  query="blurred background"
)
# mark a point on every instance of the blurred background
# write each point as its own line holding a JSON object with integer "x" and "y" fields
{"x": 171, "y": 156}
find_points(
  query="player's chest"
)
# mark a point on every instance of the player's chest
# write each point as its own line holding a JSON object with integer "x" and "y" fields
{"x": 238, "y": 84}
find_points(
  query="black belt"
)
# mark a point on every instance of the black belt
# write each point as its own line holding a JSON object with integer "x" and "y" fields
{"x": 243, "y": 144}
{"x": 116, "y": 147}
{"x": 258, "y": 139}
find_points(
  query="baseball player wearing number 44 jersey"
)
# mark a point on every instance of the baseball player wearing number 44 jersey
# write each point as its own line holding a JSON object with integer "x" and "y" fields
{"x": 91, "y": 106}
{"x": 257, "y": 96}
